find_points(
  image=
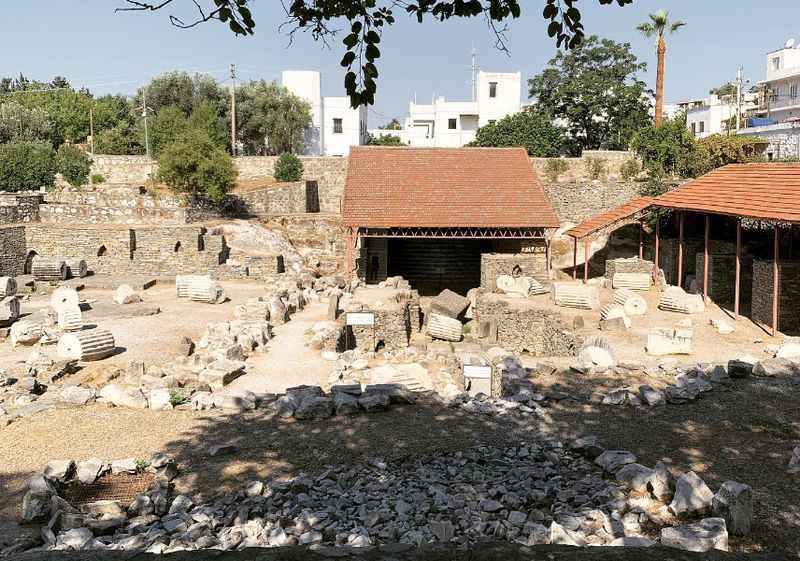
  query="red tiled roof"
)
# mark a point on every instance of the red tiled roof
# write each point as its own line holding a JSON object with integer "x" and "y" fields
{"x": 768, "y": 191}
{"x": 444, "y": 188}
{"x": 610, "y": 217}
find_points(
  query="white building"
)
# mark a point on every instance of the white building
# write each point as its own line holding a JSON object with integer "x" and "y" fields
{"x": 716, "y": 114}
{"x": 454, "y": 123}
{"x": 777, "y": 118}
{"x": 335, "y": 126}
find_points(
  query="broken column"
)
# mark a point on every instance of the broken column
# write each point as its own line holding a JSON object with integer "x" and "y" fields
{"x": 575, "y": 295}
{"x": 8, "y": 286}
{"x": 449, "y": 304}
{"x": 51, "y": 269}
{"x": 675, "y": 299}
{"x": 204, "y": 289}
{"x": 9, "y": 310}
{"x": 633, "y": 304}
{"x": 632, "y": 281}
{"x": 182, "y": 284}
{"x": 92, "y": 344}
{"x": 70, "y": 318}
{"x": 64, "y": 297}
{"x": 77, "y": 268}
{"x": 444, "y": 328}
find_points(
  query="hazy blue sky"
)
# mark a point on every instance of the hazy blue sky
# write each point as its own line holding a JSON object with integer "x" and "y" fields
{"x": 86, "y": 41}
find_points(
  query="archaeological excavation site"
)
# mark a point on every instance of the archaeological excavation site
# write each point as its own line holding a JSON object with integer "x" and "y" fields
{"x": 407, "y": 347}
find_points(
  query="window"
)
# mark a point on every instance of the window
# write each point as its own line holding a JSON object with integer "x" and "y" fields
{"x": 337, "y": 126}
{"x": 492, "y": 89}
{"x": 452, "y": 124}
{"x": 492, "y": 121}
{"x": 694, "y": 128}
{"x": 702, "y": 127}
{"x": 793, "y": 91}
{"x": 776, "y": 63}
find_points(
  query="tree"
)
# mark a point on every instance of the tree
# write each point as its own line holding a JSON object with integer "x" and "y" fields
{"x": 20, "y": 124}
{"x": 166, "y": 128}
{"x": 368, "y": 18}
{"x": 725, "y": 89}
{"x": 73, "y": 164}
{"x": 271, "y": 118}
{"x": 115, "y": 127}
{"x": 393, "y": 125}
{"x": 193, "y": 164}
{"x": 385, "y": 140}
{"x": 184, "y": 91}
{"x": 26, "y": 166}
{"x": 669, "y": 149}
{"x": 658, "y": 26}
{"x": 595, "y": 90}
{"x": 288, "y": 168}
{"x": 206, "y": 117}
{"x": 532, "y": 130}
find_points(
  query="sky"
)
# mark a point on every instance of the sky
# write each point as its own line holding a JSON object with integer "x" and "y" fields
{"x": 114, "y": 52}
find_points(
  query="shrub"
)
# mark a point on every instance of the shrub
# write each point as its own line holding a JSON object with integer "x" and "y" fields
{"x": 595, "y": 167}
{"x": 288, "y": 168}
{"x": 73, "y": 164}
{"x": 97, "y": 178}
{"x": 385, "y": 140}
{"x": 530, "y": 129}
{"x": 27, "y": 165}
{"x": 668, "y": 149}
{"x": 176, "y": 397}
{"x": 194, "y": 165}
{"x": 554, "y": 168}
{"x": 630, "y": 169}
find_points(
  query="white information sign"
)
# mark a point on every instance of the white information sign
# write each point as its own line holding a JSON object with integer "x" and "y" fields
{"x": 360, "y": 318}
{"x": 475, "y": 371}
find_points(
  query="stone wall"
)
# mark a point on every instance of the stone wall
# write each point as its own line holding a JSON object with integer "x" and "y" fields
{"x": 627, "y": 265}
{"x": 532, "y": 263}
{"x": 722, "y": 278}
{"x": 576, "y": 167}
{"x": 16, "y": 208}
{"x": 575, "y": 201}
{"x": 330, "y": 173}
{"x": 524, "y": 326}
{"x": 788, "y": 294}
{"x": 391, "y": 330}
{"x": 12, "y": 250}
{"x": 668, "y": 255}
{"x": 319, "y": 238}
{"x": 161, "y": 251}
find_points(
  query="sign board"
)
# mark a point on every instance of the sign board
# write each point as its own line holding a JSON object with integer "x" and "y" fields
{"x": 360, "y": 318}
{"x": 475, "y": 371}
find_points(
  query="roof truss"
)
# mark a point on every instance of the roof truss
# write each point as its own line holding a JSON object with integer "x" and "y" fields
{"x": 455, "y": 233}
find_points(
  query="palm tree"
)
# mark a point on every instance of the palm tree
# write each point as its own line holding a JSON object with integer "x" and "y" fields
{"x": 659, "y": 25}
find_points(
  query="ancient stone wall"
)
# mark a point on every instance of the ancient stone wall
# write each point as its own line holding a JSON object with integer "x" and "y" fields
{"x": 627, "y": 265}
{"x": 575, "y": 201}
{"x": 20, "y": 207}
{"x": 319, "y": 238}
{"x": 576, "y": 167}
{"x": 533, "y": 264}
{"x": 722, "y": 278}
{"x": 668, "y": 255}
{"x": 788, "y": 294}
{"x": 522, "y": 326}
{"x": 330, "y": 173}
{"x": 391, "y": 330}
{"x": 162, "y": 251}
{"x": 12, "y": 250}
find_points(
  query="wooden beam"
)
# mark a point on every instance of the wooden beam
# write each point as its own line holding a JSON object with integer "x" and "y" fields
{"x": 547, "y": 257}
{"x": 775, "y": 284}
{"x": 586, "y": 260}
{"x": 658, "y": 243}
{"x": 680, "y": 249}
{"x": 737, "y": 289}
{"x": 705, "y": 257}
{"x": 348, "y": 266}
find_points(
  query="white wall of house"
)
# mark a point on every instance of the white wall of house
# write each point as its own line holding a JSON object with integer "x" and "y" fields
{"x": 344, "y": 126}
{"x": 451, "y": 124}
{"x": 307, "y": 85}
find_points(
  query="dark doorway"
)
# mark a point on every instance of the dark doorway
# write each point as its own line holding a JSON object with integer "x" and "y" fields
{"x": 431, "y": 265}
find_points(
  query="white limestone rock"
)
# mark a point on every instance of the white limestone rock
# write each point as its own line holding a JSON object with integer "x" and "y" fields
{"x": 125, "y": 294}
{"x": 705, "y": 535}
{"x": 692, "y": 496}
{"x": 734, "y": 503}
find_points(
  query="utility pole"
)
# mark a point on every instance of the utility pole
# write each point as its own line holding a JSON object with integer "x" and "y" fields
{"x": 474, "y": 75}
{"x": 738, "y": 98}
{"x": 91, "y": 130}
{"x": 144, "y": 114}
{"x": 233, "y": 109}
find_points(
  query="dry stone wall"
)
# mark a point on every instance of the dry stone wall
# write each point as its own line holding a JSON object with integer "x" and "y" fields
{"x": 575, "y": 201}
{"x": 722, "y": 277}
{"x": 532, "y": 264}
{"x": 19, "y": 207}
{"x": 576, "y": 167}
{"x": 788, "y": 294}
{"x": 12, "y": 250}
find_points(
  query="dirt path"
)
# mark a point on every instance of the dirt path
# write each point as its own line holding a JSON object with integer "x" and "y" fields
{"x": 287, "y": 362}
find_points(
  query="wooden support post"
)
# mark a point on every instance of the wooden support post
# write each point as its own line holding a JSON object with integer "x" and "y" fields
{"x": 348, "y": 266}
{"x": 705, "y": 257}
{"x": 680, "y": 249}
{"x": 658, "y": 241}
{"x": 775, "y": 284}
{"x": 736, "y": 289}
{"x": 641, "y": 240}
{"x": 575, "y": 259}
{"x": 586, "y": 260}
{"x": 547, "y": 257}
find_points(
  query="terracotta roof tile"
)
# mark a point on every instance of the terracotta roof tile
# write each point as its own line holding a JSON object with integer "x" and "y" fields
{"x": 444, "y": 187}
{"x": 767, "y": 191}
{"x": 609, "y": 217}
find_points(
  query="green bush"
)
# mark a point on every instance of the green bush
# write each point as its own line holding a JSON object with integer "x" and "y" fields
{"x": 194, "y": 165}
{"x": 530, "y": 129}
{"x": 288, "y": 168}
{"x": 176, "y": 398}
{"x": 595, "y": 167}
{"x": 385, "y": 140}
{"x": 668, "y": 149}
{"x": 554, "y": 168}
{"x": 630, "y": 169}
{"x": 73, "y": 164}
{"x": 27, "y": 166}
{"x": 97, "y": 178}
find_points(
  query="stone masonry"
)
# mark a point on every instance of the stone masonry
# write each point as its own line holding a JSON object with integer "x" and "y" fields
{"x": 788, "y": 294}
{"x": 533, "y": 264}
{"x": 12, "y": 250}
{"x": 722, "y": 278}
{"x": 523, "y": 326}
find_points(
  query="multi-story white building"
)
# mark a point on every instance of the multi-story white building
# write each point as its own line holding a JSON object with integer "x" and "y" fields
{"x": 717, "y": 114}
{"x": 453, "y": 124}
{"x": 335, "y": 126}
{"x": 777, "y": 117}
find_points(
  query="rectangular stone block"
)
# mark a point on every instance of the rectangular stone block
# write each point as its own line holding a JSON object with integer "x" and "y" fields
{"x": 449, "y": 304}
